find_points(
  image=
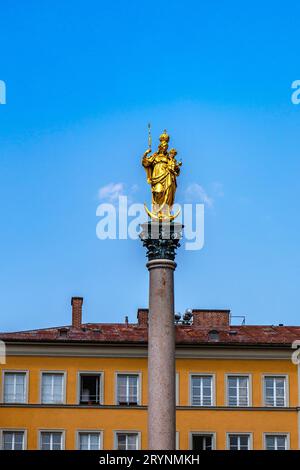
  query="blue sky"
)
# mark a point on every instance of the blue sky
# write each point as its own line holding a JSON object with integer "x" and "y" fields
{"x": 83, "y": 80}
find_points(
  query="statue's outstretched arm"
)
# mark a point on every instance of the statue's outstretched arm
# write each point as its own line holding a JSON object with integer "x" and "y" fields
{"x": 147, "y": 161}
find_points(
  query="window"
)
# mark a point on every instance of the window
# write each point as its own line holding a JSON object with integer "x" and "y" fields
{"x": 202, "y": 390}
{"x": 127, "y": 389}
{"x": 90, "y": 389}
{"x": 51, "y": 440}
{"x": 14, "y": 387}
{"x": 238, "y": 390}
{"x": 89, "y": 440}
{"x": 276, "y": 442}
{"x": 202, "y": 441}
{"x": 275, "y": 391}
{"x": 213, "y": 335}
{"x": 13, "y": 440}
{"x": 239, "y": 441}
{"x": 127, "y": 441}
{"x": 53, "y": 387}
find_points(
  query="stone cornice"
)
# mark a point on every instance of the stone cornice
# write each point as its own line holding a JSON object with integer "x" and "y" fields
{"x": 140, "y": 351}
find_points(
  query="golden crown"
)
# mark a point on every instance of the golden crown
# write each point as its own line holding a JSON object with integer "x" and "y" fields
{"x": 164, "y": 137}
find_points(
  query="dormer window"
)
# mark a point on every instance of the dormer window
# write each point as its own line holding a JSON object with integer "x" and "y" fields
{"x": 63, "y": 332}
{"x": 213, "y": 335}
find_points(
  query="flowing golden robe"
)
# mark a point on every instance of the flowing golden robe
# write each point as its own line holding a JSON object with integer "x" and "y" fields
{"x": 162, "y": 170}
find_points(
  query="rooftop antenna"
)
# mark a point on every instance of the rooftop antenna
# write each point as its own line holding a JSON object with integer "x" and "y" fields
{"x": 242, "y": 317}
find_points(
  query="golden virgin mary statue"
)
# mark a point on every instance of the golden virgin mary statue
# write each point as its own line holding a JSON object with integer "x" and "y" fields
{"x": 162, "y": 169}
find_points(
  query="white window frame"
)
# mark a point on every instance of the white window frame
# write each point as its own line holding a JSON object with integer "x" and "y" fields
{"x": 24, "y": 431}
{"x": 249, "y": 377}
{"x": 238, "y": 433}
{"x": 99, "y": 373}
{"x": 62, "y": 431}
{"x": 177, "y": 397}
{"x": 139, "y": 385}
{"x": 88, "y": 431}
{"x": 286, "y": 434}
{"x": 15, "y": 371}
{"x": 212, "y": 434}
{"x": 213, "y": 388}
{"x": 64, "y": 390}
{"x": 138, "y": 433}
{"x": 286, "y": 389}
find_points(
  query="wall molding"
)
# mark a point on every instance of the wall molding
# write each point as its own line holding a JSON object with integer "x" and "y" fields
{"x": 127, "y": 351}
{"x": 144, "y": 407}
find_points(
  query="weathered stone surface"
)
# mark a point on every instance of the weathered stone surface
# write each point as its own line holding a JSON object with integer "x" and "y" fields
{"x": 161, "y": 356}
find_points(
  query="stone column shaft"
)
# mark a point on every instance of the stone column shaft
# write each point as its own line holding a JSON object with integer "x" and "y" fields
{"x": 161, "y": 240}
{"x": 161, "y": 356}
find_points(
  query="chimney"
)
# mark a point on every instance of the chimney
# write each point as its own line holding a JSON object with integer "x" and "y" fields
{"x": 211, "y": 318}
{"x": 76, "y": 303}
{"x": 142, "y": 316}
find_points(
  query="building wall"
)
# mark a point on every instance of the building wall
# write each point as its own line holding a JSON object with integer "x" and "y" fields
{"x": 257, "y": 419}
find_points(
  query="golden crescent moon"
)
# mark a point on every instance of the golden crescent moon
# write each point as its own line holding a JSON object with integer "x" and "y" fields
{"x": 156, "y": 217}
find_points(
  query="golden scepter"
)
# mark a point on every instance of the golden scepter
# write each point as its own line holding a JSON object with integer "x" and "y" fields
{"x": 149, "y": 136}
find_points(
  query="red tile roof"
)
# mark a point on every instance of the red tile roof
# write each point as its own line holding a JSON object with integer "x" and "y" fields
{"x": 116, "y": 333}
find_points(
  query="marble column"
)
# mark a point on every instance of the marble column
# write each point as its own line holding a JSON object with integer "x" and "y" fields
{"x": 161, "y": 240}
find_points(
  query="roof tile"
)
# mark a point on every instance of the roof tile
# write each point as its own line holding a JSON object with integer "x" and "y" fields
{"x": 133, "y": 333}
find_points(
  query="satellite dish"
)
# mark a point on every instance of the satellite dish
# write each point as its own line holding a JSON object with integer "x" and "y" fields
{"x": 177, "y": 317}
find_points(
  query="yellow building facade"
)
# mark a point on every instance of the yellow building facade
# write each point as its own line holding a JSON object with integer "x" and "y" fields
{"x": 236, "y": 387}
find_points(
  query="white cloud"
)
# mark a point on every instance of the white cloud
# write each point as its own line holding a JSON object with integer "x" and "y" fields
{"x": 111, "y": 192}
{"x": 196, "y": 192}
{"x": 218, "y": 189}
{"x": 134, "y": 188}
